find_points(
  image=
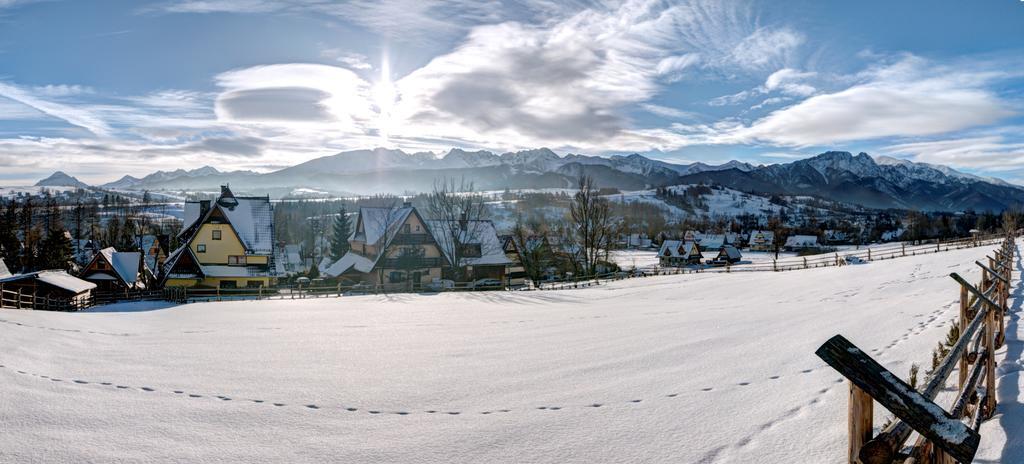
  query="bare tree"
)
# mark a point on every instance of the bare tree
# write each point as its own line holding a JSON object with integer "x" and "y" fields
{"x": 592, "y": 224}
{"x": 456, "y": 210}
{"x": 534, "y": 253}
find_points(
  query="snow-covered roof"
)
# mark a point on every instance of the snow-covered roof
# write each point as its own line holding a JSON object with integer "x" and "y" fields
{"x": 730, "y": 251}
{"x": 251, "y": 217}
{"x": 125, "y": 263}
{"x": 476, "y": 232}
{"x": 59, "y": 279}
{"x": 4, "y": 272}
{"x": 763, "y": 236}
{"x": 373, "y": 220}
{"x": 351, "y": 260}
{"x": 802, "y": 241}
{"x": 679, "y": 249}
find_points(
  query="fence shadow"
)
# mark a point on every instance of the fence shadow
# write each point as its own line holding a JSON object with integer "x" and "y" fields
{"x": 1010, "y": 408}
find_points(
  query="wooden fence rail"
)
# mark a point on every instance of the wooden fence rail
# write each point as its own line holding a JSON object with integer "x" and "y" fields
{"x": 944, "y": 437}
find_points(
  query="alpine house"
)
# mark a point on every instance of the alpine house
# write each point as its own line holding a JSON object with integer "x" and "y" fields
{"x": 226, "y": 243}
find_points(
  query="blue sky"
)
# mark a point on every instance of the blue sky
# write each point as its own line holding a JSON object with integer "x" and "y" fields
{"x": 100, "y": 89}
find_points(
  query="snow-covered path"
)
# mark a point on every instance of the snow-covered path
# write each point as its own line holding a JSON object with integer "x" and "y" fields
{"x": 694, "y": 368}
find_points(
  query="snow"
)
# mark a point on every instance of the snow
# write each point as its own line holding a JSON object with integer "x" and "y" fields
{"x": 4, "y": 272}
{"x": 715, "y": 368}
{"x": 59, "y": 279}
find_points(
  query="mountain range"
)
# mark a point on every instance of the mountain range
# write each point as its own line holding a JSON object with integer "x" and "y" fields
{"x": 881, "y": 182}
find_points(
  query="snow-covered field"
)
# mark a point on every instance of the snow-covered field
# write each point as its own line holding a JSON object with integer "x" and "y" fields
{"x": 693, "y": 368}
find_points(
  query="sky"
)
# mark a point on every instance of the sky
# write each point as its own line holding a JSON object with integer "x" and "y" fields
{"x": 104, "y": 88}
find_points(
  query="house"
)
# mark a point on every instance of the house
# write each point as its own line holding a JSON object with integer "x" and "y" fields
{"x": 61, "y": 289}
{"x": 515, "y": 272}
{"x": 634, "y": 241}
{"x": 801, "y": 242}
{"x": 482, "y": 255}
{"x": 762, "y": 240}
{"x": 226, "y": 243}
{"x": 113, "y": 270}
{"x": 693, "y": 236}
{"x": 392, "y": 247}
{"x": 155, "y": 249}
{"x": 836, "y": 237}
{"x": 85, "y": 250}
{"x": 712, "y": 242}
{"x": 679, "y": 253}
{"x": 728, "y": 254}
{"x": 892, "y": 235}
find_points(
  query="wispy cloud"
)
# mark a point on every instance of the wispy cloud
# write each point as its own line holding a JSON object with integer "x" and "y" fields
{"x": 70, "y": 114}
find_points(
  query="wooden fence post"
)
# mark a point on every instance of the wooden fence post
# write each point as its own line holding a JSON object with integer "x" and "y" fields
{"x": 869, "y": 254}
{"x": 963, "y": 327}
{"x": 990, "y": 364}
{"x": 904, "y": 245}
{"x": 861, "y": 416}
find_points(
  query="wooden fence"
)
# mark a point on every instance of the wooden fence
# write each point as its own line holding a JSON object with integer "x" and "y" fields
{"x": 944, "y": 436}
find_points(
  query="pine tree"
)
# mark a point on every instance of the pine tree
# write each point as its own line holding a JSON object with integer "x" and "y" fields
{"x": 342, "y": 230}
{"x": 55, "y": 251}
{"x": 9, "y": 243}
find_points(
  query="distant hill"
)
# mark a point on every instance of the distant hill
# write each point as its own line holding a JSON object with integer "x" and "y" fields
{"x": 836, "y": 175}
{"x": 60, "y": 179}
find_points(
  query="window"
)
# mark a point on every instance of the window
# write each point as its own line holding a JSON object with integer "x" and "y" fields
{"x": 471, "y": 250}
{"x": 396, "y": 277}
{"x": 417, "y": 227}
{"x": 216, "y": 234}
{"x": 228, "y": 284}
{"x": 236, "y": 260}
{"x": 201, "y": 248}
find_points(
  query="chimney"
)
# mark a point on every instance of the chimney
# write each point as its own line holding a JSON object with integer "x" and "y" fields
{"x": 204, "y": 207}
{"x": 407, "y": 204}
{"x": 463, "y": 222}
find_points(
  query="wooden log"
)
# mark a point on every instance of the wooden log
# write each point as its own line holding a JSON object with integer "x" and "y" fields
{"x": 924, "y": 416}
{"x": 861, "y": 416}
{"x": 990, "y": 365}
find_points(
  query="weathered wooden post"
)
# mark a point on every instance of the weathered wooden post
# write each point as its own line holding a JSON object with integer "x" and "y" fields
{"x": 775, "y": 267}
{"x": 869, "y": 254}
{"x": 990, "y": 364}
{"x": 19, "y": 298}
{"x": 904, "y": 249}
{"x": 963, "y": 327}
{"x": 805, "y": 262}
{"x": 861, "y": 417}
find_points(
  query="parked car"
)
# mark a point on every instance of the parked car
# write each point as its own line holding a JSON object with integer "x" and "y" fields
{"x": 362, "y": 288}
{"x": 438, "y": 285}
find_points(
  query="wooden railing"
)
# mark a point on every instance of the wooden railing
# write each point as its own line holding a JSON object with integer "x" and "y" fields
{"x": 944, "y": 436}
{"x": 24, "y": 300}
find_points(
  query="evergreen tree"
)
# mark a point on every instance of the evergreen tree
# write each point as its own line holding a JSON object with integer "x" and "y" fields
{"x": 10, "y": 246}
{"x": 55, "y": 251}
{"x": 342, "y": 230}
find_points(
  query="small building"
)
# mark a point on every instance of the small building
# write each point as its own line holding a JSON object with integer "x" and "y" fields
{"x": 679, "y": 253}
{"x": 155, "y": 249}
{"x": 836, "y": 237}
{"x": 227, "y": 243}
{"x": 55, "y": 290}
{"x": 892, "y": 235}
{"x": 728, "y": 254}
{"x": 801, "y": 242}
{"x": 761, "y": 240}
{"x": 116, "y": 271}
{"x": 391, "y": 247}
{"x": 712, "y": 242}
{"x": 482, "y": 255}
{"x": 516, "y": 272}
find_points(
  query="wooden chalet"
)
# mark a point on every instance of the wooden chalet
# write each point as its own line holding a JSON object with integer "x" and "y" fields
{"x": 46, "y": 290}
{"x": 675, "y": 253}
{"x": 116, "y": 271}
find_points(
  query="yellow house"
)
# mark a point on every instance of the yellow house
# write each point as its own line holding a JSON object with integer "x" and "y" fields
{"x": 227, "y": 243}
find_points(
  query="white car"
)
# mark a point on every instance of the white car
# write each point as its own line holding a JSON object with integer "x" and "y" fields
{"x": 488, "y": 283}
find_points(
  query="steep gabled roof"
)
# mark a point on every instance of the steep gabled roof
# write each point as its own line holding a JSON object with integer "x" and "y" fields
{"x": 252, "y": 219}
{"x": 372, "y": 221}
{"x": 478, "y": 232}
{"x": 124, "y": 263}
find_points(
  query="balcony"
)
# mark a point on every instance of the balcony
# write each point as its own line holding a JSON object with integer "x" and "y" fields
{"x": 412, "y": 239}
{"x": 418, "y": 263}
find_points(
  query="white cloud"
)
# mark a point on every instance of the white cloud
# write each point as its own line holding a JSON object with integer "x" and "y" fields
{"x": 909, "y": 98}
{"x": 71, "y": 114}
{"x": 992, "y": 152}
{"x": 672, "y": 67}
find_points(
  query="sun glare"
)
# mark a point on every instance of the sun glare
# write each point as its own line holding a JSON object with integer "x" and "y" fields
{"x": 384, "y": 96}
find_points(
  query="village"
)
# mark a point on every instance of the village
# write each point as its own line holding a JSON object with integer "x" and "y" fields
{"x": 228, "y": 246}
